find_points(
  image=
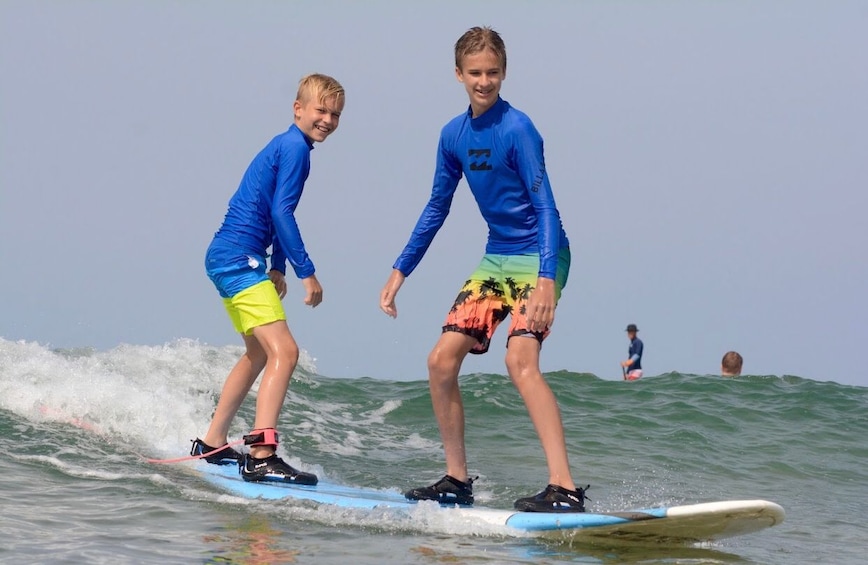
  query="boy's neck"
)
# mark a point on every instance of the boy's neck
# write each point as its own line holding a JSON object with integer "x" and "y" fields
{"x": 475, "y": 111}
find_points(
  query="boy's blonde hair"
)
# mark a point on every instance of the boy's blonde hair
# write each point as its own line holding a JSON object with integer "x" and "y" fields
{"x": 320, "y": 88}
{"x": 477, "y": 39}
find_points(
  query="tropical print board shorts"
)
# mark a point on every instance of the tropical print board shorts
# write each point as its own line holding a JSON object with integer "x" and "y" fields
{"x": 500, "y": 286}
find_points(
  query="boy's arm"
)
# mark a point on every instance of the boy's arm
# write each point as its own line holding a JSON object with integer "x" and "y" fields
{"x": 278, "y": 257}
{"x": 293, "y": 168}
{"x": 390, "y": 291}
{"x": 446, "y": 177}
{"x": 277, "y": 270}
{"x": 527, "y": 148}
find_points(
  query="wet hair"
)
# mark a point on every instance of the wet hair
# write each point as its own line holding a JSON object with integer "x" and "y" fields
{"x": 320, "y": 88}
{"x": 731, "y": 363}
{"x": 477, "y": 39}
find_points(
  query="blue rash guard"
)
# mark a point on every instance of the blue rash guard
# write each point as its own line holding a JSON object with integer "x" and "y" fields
{"x": 262, "y": 210}
{"x": 501, "y": 155}
{"x": 635, "y": 353}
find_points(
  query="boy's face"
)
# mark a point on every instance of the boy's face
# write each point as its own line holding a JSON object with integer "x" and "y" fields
{"x": 318, "y": 119}
{"x": 482, "y": 74}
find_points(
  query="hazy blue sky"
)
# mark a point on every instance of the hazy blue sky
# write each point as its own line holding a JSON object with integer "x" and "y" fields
{"x": 709, "y": 160}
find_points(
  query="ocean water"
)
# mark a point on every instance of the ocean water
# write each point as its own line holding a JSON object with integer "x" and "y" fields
{"x": 77, "y": 425}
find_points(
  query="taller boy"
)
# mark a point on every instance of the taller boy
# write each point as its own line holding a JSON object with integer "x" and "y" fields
{"x": 262, "y": 215}
{"x": 525, "y": 267}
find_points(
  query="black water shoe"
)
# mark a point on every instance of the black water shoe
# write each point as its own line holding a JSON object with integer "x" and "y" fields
{"x": 225, "y": 456}
{"x": 447, "y": 490}
{"x": 554, "y": 499}
{"x": 273, "y": 469}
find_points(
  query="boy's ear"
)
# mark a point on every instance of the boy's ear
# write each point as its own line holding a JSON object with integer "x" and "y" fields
{"x": 296, "y": 106}
{"x": 458, "y": 74}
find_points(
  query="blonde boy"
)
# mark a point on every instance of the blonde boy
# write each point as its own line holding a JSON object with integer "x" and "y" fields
{"x": 261, "y": 215}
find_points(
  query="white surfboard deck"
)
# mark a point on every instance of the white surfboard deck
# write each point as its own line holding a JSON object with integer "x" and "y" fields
{"x": 676, "y": 525}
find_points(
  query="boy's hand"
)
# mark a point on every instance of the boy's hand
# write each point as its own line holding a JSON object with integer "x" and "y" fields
{"x": 313, "y": 290}
{"x": 390, "y": 291}
{"x": 279, "y": 282}
{"x": 541, "y": 305}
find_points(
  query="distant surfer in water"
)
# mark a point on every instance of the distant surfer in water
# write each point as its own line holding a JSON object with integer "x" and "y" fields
{"x": 525, "y": 267}
{"x": 261, "y": 215}
{"x": 730, "y": 365}
{"x": 633, "y": 364}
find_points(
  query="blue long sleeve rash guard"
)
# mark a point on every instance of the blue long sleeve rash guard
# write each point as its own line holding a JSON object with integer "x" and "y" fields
{"x": 501, "y": 155}
{"x": 262, "y": 211}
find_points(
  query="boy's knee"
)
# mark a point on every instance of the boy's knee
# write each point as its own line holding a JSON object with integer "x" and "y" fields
{"x": 516, "y": 364}
{"x": 441, "y": 366}
{"x": 292, "y": 353}
{"x": 437, "y": 361}
{"x": 521, "y": 370}
{"x": 284, "y": 352}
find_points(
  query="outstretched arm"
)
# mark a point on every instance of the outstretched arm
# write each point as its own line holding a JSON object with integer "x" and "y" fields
{"x": 446, "y": 177}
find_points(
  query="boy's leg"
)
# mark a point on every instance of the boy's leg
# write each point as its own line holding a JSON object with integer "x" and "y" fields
{"x": 444, "y": 363}
{"x": 522, "y": 363}
{"x": 281, "y": 354}
{"x": 235, "y": 390}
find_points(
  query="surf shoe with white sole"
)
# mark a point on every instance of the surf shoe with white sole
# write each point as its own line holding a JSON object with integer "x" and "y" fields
{"x": 554, "y": 498}
{"x": 225, "y": 456}
{"x": 447, "y": 490}
{"x": 273, "y": 469}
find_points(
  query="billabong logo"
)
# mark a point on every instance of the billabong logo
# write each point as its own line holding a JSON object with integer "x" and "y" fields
{"x": 478, "y": 165}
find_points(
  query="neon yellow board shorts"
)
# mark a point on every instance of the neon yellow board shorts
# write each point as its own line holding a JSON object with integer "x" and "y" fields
{"x": 500, "y": 286}
{"x": 254, "y": 306}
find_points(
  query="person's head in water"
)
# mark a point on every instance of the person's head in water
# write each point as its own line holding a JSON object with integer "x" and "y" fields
{"x": 730, "y": 366}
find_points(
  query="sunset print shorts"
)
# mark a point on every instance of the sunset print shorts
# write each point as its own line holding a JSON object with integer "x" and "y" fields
{"x": 500, "y": 286}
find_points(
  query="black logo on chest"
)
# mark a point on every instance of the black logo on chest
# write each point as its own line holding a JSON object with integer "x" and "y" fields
{"x": 479, "y": 159}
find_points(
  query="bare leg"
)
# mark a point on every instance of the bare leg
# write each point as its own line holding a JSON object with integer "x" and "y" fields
{"x": 444, "y": 362}
{"x": 522, "y": 363}
{"x": 281, "y": 354}
{"x": 235, "y": 390}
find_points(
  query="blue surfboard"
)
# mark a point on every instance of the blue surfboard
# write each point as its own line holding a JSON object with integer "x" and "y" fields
{"x": 677, "y": 525}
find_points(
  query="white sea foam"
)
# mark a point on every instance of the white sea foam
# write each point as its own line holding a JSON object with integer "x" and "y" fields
{"x": 155, "y": 398}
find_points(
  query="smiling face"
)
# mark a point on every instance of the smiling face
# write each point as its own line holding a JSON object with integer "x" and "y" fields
{"x": 317, "y": 119}
{"x": 482, "y": 74}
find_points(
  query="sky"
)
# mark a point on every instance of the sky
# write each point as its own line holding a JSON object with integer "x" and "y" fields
{"x": 709, "y": 160}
